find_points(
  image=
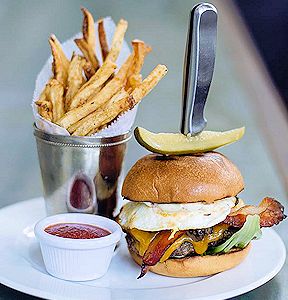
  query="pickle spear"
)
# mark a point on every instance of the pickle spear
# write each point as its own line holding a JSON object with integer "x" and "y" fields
{"x": 178, "y": 143}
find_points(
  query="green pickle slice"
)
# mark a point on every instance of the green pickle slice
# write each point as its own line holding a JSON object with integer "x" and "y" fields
{"x": 178, "y": 144}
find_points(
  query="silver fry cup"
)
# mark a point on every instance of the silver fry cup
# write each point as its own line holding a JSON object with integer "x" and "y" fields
{"x": 81, "y": 174}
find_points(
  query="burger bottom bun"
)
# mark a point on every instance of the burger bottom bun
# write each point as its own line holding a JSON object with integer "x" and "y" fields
{"x": 196, "y": 266}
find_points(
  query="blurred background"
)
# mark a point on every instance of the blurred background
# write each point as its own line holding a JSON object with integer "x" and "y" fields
{"x": 268, "y": 27}
{"x": 249, "y": 88}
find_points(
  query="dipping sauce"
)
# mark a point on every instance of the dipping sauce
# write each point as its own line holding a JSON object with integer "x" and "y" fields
{"x": 77, "y": 231}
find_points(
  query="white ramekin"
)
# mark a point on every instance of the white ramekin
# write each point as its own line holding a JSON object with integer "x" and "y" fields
{"x": 77, "y": 259}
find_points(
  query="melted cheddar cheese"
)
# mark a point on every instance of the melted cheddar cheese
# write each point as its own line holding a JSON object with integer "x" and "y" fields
{"x": 144, "y": 238}
{"x": 218, "y": 231}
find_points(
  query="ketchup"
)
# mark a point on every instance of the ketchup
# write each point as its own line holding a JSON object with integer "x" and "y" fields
{"x": 77, "y": 231}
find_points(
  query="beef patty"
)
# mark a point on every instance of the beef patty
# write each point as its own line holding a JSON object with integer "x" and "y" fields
{"x": 186, "y": 248}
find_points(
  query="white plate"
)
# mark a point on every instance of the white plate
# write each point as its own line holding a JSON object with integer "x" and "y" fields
{"x": 21, "y": 267}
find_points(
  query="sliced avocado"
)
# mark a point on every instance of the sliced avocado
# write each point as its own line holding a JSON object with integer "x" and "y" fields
{"x": 178, "y": 144}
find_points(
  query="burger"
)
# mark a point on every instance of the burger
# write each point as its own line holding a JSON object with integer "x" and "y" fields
{"x": 184, "y": 217}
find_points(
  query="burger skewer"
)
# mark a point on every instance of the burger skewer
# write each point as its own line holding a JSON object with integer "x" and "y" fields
{"x": 198, "y": 67}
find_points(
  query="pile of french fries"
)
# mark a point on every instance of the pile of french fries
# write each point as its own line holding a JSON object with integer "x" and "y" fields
{"x": 83, "y": 96}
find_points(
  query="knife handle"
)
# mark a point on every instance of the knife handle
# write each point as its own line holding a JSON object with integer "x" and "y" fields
{"x": 198, "y": 66}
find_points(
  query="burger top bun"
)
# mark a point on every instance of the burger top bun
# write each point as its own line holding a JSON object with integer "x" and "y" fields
{"x": 204, "y": 177}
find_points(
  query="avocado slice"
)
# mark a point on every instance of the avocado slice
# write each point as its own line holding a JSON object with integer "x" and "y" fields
{"x": 180, "y": 144}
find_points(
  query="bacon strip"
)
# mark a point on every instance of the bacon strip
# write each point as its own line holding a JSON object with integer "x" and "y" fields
{"x": 270, "y": 211}
{"x": 157, "y": 248}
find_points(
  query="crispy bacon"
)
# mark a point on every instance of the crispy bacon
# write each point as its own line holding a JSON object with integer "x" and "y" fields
{"x": 157, "y": 248}
{"x": 270, "y": 211}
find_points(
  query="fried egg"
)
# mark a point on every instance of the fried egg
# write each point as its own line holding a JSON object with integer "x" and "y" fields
{"x": 155, "y": 217}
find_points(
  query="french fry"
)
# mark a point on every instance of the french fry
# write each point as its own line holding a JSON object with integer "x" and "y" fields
{"x": 75, "y": 78}
{"x": 123, "y": 72}
{"x": 44, "y": 106}
{"x": 105, "y": 125}
{"x": 88, "y": 42}
{"x": 43, "y": 95}
{"x": 45, "y": 109}
{"x": 88, "y": 28}
{"x": 93, "y": 85}
{"x": 102, "y": 39}
{"x": 140, "y": 50}
{"x": 92, "y": 105}
{"x": 118, "y": 104}
{"x": 117, "y": 40}
{"x": 111, "y": 88}
{"x": 55, "y": 94}
{"x": 74, "y": 126}
{"x": 107, "y": 66}
{"x": 149, "y": 83}
{"x": 88, "y": 70}
{"x": 88, "y": 54}
{"x": 101, "y": 98}
{"x": 82, "y": 122}
{"x": 102, "y": 115}
{"x": 114, "y": 110}
{"x": 60, "y": 62}
{"x": 93, "y": 131}
{"x": 134, "y": 81}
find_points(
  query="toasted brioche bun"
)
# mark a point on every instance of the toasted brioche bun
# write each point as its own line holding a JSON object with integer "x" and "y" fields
{"x": 196, "y": 266}
{"x": 182, "y": 179}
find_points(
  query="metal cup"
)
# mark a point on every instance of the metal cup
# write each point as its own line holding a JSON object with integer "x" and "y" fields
{"x": 81, "y": 174}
